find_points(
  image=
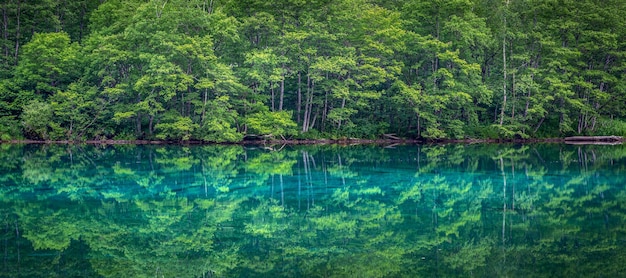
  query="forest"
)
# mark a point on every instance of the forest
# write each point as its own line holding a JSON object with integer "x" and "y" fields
{"x": 226, "y": 70}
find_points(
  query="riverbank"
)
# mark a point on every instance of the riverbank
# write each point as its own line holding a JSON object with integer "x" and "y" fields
{"x": 347, "y": 141}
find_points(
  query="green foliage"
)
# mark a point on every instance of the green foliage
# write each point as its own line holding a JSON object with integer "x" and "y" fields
{"x": 274, "y": 124}
{"x": 173, "y": 126}
{"x": 49, "y": 62}
{"x": 9, "y": 128}
{"x": 77, "y": 109}
{"x": 508, "y": 132}
{"x": 36, "y": 120}
{"x": 124, "y": 136}
{"x": 341, "y": 115}
{"x": 348, "y": 68}
{"x": 369, "y": 130}
{"x": 219, "y": 125}
{"x": 311, "y": 134}
{"x": 611, "y": 127}
{"x": 434, "y": 133}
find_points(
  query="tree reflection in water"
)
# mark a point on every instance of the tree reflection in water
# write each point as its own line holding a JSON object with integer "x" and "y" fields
{"x": 367, "y": 211}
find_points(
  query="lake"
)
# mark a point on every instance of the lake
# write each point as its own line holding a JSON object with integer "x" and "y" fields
{"x": 482, "y": 210}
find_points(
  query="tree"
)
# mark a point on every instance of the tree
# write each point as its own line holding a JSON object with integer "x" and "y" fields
{"x": 219, "y": 124}
{"x": 80, "y": 111}
{"x": 49, "y": 63}
{"x": 267, "y": 123}
{"x": 36, "y": 119}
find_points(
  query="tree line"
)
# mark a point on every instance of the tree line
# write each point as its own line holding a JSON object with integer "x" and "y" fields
{"x": 221, "y": 70}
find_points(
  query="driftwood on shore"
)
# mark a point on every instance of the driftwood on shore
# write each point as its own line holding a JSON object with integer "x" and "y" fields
{"x": 594, "y": 139}
{"x": 391, "y": 136}
{"x": 603, "y": 143}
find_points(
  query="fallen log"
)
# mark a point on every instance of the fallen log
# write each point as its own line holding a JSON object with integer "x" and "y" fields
{"x": 601, "y": 143}
{"x": 391, "y": 136}
{"x": 611, "y": 138}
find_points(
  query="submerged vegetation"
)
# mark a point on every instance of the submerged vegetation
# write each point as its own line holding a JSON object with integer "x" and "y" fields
{"x": 221, "y": 70}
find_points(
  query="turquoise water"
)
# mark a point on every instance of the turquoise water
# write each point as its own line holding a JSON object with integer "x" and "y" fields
{"x": 545, "y": 210}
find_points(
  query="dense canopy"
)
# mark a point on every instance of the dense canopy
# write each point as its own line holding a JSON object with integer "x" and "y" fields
{"x": 220, "y": 70}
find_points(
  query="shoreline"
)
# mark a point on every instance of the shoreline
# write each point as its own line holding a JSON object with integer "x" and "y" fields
{"x": 352, "y": 141}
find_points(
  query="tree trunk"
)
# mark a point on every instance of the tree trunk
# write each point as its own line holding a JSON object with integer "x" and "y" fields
{"x": 182, "y": 103}
{"x": 138, "y": 124}
{"x": 562, "y": 114}
{"x": 595, "y": 118}
{"x": 150, "y": 125}
{"x": 419, "y": 132}
{"x": 513, "y": 101}
{"x": 314, "y": 120}
{"x": 204, "y": 101}
{"x": 343, "y": 105}
{"x": 504, "y": 69}
{"x": 188, "y": 107}
{"x": 69, "y": 132}
{"x": 325, "y": 111}
{"x": 282, "y": 91}
{"x": 305, "y": 120}
{"x": 273, "y": 96}
{"x": 299, "y": 105}
{"x": 5, "y": 30}
{"x": 579, "y": 127}
{"x": 539, "y": 124}
{"x": 17, "y": 31}
{"x": 311, "y": 123}
{"x": 435, "y": 68}
{"x": 308, "y": 104}
{"x": 528, "y": 98}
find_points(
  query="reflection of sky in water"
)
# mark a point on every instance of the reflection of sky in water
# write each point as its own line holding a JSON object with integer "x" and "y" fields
{"x": 361, "y": 211}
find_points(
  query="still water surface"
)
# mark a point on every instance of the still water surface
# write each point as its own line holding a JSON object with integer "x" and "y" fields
{"x": 545, "y": 210}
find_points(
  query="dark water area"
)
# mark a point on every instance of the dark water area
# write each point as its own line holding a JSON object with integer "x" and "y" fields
{"x": 483, "y": 210}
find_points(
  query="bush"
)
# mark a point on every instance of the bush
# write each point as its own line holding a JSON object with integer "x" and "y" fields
{"x": 9, "y": 128}
{"x": 175, "y": 127}
{"x": 482, "y": 132}
{"x": 220, "y": 123}
{"x": 125, "y": 135}
{"x": 218, "y": 130}
{"x": 610, "y": 127}
{"x": 311, "y": 134}
{"x": 36, "y": 118}
{"x": 365, "y": 129}
{"x": 272, "y": 123}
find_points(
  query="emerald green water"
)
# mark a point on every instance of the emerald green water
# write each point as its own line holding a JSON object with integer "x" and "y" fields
{"x": 544, "y": 210}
